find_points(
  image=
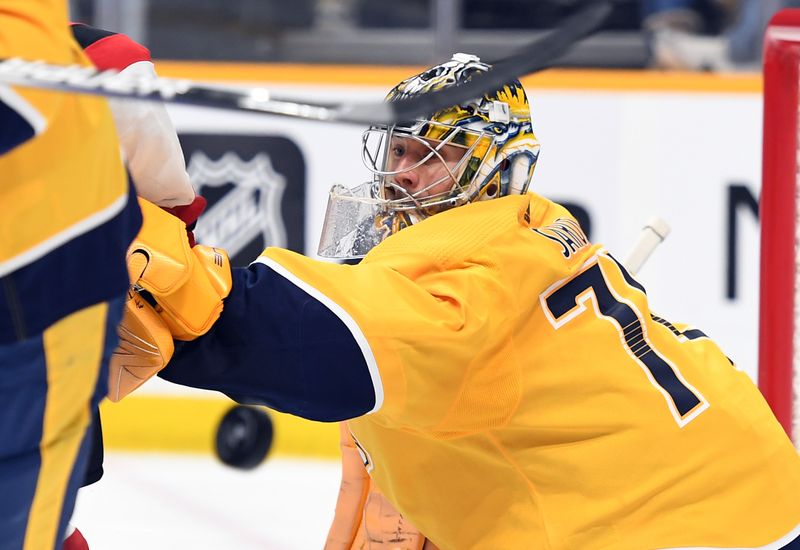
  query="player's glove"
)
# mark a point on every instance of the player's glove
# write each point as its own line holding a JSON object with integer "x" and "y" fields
{"x": 187, "y": 284}
{"x": 145, "y": 347}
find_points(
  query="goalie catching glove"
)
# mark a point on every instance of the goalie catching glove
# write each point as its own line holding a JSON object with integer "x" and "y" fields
{"x": 177, "y": 293}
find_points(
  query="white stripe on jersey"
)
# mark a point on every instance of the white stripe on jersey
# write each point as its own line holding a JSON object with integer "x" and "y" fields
{"x": 777, "y": 545}
{"x": 24, "y": 109}
{"x": 75, "y": 230}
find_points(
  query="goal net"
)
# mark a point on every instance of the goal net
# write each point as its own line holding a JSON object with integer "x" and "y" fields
{"x": 779, "y": 330}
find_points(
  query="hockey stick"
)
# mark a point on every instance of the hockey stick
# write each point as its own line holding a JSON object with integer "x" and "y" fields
{"x": 652, "y": 235}
{"x": 539, "y": 54}
{"x": 536, "y": 56}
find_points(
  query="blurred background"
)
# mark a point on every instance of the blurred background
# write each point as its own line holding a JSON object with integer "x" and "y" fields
{"x": 694, "y": 34}
{"x": 659, "y": 113}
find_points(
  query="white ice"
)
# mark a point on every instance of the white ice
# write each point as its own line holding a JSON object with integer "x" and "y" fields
{"x": 176, "y": 502}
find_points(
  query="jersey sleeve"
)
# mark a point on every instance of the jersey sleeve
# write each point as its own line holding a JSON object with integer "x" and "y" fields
{"x": 283, "y": 345}
{"x": 67, "y": 214}
{"x": 323, "y": 341}
{"x": 34, "y": 30}
{"x": 19, "y": 120}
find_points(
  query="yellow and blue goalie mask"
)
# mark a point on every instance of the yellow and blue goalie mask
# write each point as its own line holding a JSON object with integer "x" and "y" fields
{"x": 477, "y": 150}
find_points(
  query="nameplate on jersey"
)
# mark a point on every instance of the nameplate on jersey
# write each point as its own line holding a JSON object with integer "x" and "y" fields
{"x": 567, "y": 233}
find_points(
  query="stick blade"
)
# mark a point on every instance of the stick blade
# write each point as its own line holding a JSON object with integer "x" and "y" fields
{"x": 652, "y": 235}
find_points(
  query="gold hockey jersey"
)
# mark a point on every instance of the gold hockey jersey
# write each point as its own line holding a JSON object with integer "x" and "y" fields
{"x": 526, "y": 396}
{"x": 67, "y": 218}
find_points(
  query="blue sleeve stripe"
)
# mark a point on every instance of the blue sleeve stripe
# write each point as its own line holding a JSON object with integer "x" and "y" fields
{"x": 86, "y": 270}
{"x": 282, "y": 346}
{"x": 19, "y": 120}
{"x": 344, "y": 317}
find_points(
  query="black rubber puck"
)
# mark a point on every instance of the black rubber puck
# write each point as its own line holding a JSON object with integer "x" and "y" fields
{"x": 244, "y": 437}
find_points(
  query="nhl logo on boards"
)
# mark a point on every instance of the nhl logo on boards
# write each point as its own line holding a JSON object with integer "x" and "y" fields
{"x": 255, "y": 188}
{"x": 250, "y": 209}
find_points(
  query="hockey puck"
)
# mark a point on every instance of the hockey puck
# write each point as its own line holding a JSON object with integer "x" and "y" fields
{"x": 244, "y": 437}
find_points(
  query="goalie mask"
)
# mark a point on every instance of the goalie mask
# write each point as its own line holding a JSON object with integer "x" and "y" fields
{"x": 477, "y": 150}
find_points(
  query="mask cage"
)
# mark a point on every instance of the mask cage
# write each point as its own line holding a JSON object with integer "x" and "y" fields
{"x": 432, "y": 137}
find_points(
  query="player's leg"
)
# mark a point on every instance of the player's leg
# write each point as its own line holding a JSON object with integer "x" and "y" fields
{"x": 49, "y": 384}
{"x": 94, "y": 465}
{"x": 74, "y": 539}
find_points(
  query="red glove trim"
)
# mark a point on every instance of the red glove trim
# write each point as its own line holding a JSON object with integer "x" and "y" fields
{"x": 189, "y": 213}
{"x": 116, "y": 52}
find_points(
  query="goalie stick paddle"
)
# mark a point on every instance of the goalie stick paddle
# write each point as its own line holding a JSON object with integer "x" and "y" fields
{"x": 652, "y": 235}
{"x": 539, "y": 54}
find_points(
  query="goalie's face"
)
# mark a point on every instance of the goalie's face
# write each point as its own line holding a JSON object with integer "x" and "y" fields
{"x": 417, "y": 168}
{"x": 479, "y": 149}
{"x": 424, "y": 167}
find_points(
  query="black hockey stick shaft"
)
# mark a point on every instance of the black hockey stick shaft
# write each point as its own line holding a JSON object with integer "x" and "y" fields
{"x": 537, "y": 55}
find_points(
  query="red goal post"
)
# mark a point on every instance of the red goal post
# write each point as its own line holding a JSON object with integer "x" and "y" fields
{"x": 779, "y": 330}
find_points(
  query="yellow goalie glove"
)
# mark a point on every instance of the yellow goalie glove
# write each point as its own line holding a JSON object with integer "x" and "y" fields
{"x": 364, "y": 518}
{"x": 177, "y": 293}
{"x": 187, "y": 283}
{"x": 145, "y": 347}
